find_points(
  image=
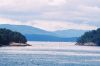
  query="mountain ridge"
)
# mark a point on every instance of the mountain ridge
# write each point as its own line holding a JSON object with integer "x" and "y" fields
{"x": 33, "y": 31}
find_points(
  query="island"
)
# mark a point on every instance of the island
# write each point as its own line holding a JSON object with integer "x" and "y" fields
{"x": 12, "y": 38}
{"x": 90, "y": 38}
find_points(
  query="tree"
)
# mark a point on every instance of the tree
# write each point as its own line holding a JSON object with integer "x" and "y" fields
{"x": 18, "y": 38}
{"x": 7, "y": 36}
{"x": 91, "y": 36}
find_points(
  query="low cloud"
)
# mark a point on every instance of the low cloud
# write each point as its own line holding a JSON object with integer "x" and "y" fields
{"x": 52, "y": 14}
{"x": 49, "y": 25}
{"x": 59, "y": 25}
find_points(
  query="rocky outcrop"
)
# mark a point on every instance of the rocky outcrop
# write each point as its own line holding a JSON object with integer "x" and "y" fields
{"x": 19, "y": 44}
{"x": 90, "y": 44}
{"x": 86, "y": 44}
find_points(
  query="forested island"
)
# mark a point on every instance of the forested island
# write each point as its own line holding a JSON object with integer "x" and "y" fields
{"x": 91, "y": 38}
{"x": 8, "y": 37}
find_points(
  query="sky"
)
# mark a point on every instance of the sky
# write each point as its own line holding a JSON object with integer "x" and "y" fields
{"x": 52, "y": 15}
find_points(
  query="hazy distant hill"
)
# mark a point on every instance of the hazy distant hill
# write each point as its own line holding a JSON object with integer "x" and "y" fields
{"x": 33, "y": 33}
{"x": 36, "y": 37}
{"x": 69, "y": 33}
{"x": 24, "y": 29}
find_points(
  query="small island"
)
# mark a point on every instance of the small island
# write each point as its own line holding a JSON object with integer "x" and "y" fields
{"x": 12, "y": 38}
{"x": 91, "y": 38}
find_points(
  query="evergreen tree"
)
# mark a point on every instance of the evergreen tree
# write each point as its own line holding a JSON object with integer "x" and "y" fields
{"x": 91, "y": 36}
{"x": 7, "y": 36}
{"x": 18, "y": 38}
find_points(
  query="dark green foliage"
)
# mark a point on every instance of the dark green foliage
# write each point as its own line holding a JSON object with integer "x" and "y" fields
{"x": 18, "y": 38}
{"x": 91, "y": 36}
{"x": 7, "y": 36}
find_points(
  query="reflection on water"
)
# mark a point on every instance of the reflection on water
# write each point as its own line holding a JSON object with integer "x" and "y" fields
{"x": 50, "y": 54}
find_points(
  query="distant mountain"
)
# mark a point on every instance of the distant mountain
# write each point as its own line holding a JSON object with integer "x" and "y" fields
{"x": 36, "y": 37}
{"x": 69, "y": 33}
{"x": 24, "y": 29}
{"x": 33, "y": 33}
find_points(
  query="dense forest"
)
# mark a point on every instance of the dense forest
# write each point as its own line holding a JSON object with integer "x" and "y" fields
{"x": 7, "y": 36}
{"x": 90, "y": 37}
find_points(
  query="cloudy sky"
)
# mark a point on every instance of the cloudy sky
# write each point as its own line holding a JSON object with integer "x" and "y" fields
{"x": 51, "y": 15}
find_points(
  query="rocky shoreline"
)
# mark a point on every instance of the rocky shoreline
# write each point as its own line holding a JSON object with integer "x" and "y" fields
{"x": 86, "y": 44}
{"x": 17, "y": 44}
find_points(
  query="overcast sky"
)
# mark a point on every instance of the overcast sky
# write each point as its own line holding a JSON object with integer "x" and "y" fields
{"x": 51, "y": 15}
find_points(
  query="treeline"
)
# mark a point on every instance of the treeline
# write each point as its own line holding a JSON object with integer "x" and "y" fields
{"x": 90, "y": 37}
{"x": 7, "y": 36}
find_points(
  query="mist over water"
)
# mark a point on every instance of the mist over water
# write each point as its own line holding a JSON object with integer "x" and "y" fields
{"x": 50, "y": 54}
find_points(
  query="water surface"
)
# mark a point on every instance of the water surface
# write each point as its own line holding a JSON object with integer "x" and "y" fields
{"x": 50, "y": 54}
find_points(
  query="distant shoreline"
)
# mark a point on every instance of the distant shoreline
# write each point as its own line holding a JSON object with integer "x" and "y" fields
{"x": 16, "y": 44}
{"x": 32, "y": 43}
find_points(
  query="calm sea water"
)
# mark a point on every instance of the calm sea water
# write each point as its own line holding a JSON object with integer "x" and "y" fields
{"x": 50, "y": 54}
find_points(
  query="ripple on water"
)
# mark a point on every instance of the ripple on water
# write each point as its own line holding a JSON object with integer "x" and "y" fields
{"x": 46, "y": 55}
